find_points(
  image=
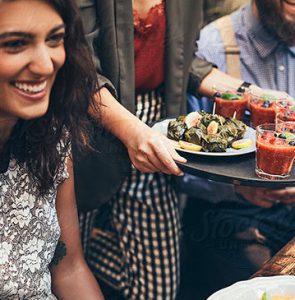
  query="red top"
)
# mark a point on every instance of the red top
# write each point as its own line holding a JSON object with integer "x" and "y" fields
{"x": 149, "y": 39}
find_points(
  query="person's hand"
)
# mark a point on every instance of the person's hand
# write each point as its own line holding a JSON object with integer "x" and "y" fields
{"x": 265, "y": 197}
{"x": 150, "y": 151}
{"x": 256, "y": 195}
{"x": 286, "y": 195}
{"x": 277, "y": 94}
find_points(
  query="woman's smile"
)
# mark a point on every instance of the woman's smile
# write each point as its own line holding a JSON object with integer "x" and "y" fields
{"x": 31, "y": 90}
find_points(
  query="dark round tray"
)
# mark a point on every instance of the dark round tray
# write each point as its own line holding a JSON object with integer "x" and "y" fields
{"x": 231, "y": 169}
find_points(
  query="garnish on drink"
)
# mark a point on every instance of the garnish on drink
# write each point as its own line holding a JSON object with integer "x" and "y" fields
{"x": 231, "y": 103}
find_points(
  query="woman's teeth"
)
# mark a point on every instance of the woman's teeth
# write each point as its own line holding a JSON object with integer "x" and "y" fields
{"x": 30, "y": 88}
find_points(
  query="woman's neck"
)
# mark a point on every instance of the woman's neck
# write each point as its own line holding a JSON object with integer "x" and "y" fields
{"x": 6, "y": 126}
{"x": 143, "y": 6}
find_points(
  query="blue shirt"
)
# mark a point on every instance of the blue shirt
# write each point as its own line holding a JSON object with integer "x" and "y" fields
{"x": 265, "y": 62}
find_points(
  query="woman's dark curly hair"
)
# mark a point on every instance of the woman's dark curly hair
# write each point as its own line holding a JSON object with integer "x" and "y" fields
{"x": 71, "y": 96}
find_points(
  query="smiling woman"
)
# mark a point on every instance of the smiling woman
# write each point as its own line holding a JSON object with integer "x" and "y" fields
{"x": 30, "y": 59}
{"x": 45, "y": 93}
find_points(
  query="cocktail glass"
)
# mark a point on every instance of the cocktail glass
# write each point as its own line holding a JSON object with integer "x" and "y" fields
{"x": 231, "y": 103}
{"x": 275, "y": 152}
{"x": 285, "y": 112}
{"x": 263, "y": 106}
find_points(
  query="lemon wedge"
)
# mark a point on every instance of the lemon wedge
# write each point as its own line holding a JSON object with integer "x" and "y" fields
{"x": 189, "y": 146}
{"x": 243, "y": 143}
{"x": 175, "y": 144}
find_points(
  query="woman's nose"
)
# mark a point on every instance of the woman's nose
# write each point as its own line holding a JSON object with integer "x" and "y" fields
{"x": 41, "y": 61}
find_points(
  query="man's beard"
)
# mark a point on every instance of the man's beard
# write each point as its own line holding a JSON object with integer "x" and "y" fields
{"x": 272, "y": 18}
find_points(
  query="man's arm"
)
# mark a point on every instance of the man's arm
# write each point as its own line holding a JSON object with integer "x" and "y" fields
{"x": 209, "y": 65}
{"x": 210, "y": 48}
{"x": 217, "y": 78}
{"x": 71, "y": 277}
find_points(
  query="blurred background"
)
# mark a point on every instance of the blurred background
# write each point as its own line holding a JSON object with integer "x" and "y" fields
{"x": 214, "y": 9}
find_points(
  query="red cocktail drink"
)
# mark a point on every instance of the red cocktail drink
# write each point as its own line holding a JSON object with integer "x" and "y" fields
{"x": 285, "y": 113}
{"x": 262, "y": 113}
{"x": 264, "y": 107}
{"x": 287, "y": 128}
{"x": 229, "y": 104}
{"x": 275, "y": 152}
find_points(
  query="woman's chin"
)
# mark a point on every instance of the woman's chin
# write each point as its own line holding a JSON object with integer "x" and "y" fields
{"x": 35, "y": 114}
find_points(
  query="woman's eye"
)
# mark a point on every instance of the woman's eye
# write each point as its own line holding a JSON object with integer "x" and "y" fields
{"x": 13, "y": 46}
{"x": 56, "y": 39}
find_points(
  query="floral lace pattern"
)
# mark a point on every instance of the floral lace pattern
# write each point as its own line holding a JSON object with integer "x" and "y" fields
{"x": 149, "y": 48}
{"x": 29, "y": 232}
{"x": 155, "y": 13}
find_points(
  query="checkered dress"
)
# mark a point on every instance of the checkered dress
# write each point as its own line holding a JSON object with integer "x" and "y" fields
{"x": 134, "y": 244}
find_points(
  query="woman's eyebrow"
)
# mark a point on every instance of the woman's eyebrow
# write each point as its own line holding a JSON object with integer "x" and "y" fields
{"x": 56, "y": 28}
{"x": 27, "y": 35}
{"x": 15, "y": 34}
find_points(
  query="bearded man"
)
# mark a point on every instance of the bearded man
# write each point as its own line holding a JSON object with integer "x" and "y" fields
{"x": 236, "y": 229}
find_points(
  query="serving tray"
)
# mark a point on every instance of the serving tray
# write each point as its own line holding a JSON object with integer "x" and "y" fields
{"x": 231, "y": 169}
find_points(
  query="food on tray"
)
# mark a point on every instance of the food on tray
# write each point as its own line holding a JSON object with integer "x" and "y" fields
{"x": 243, "y": 143}
{"x": 177, "y": 129}
{"x": 175, "y": 144}
{"x": 189, "y": 146}
{"x": 229, "y": 104}
{"x": 213, "y": 133}
{"x": 192, "y": 119}
{"x": 212, "y": 127}
{"x": 267, "y": 296}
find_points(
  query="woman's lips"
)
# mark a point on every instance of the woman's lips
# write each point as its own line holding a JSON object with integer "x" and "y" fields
{"x": 31, "y": 90}
{"x": 30, "y": 87}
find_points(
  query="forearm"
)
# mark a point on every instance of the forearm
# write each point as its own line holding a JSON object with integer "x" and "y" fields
{"x": 217, "y": 78}
{"x": 149, "y": 150}
{"x": 115, "y": 117}
{"x": 76, "y": 283}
